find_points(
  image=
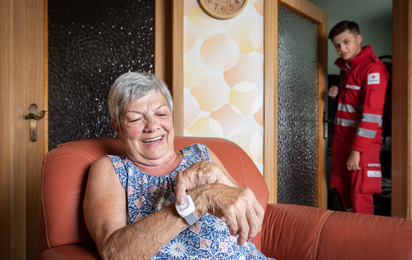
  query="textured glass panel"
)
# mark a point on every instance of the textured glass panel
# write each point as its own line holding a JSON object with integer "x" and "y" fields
{"x": 297, "y": 109}
{"x": 90, "y": 44}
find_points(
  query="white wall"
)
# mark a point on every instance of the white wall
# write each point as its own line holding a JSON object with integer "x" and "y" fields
{"x": 374, "y": 18}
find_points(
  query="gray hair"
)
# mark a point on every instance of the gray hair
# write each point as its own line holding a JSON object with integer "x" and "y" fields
{"x": 131, "y": 86}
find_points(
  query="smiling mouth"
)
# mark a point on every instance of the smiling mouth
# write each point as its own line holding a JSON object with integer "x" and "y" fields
{"x": 150, "y": 141}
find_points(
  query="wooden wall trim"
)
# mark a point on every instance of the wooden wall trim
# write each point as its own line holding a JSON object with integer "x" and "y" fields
{"x": 177, "y": 65}
{"x": 168, "y": 53}
{"x": 46, "y": 78}
{"x": 159, "y": 39}
{"x": 323, "y": 103}
{"x": 402, "y": 109}
{"x": 409, "y": 84}
{"x": 270, "y": 98}
{"x": 162, "y": 45}
{"x": 6, "y": 151}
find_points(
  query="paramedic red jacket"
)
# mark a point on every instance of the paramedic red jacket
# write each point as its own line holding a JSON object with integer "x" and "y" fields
{"x": 361, "y": 99}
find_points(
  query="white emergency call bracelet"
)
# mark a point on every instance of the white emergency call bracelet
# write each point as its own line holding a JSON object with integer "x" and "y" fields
{"x": 187, "y": 210}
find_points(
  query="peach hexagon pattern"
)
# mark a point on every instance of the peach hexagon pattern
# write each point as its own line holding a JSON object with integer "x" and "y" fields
{"x": 247, "y": 97}
{"x": 205, "y": 127}
{"x": 192, "y": 110}
{"x": 228, "y": 117}
{"x": 242, "y": 68}
{"x": 204, "y": 24}
{"x": 217, "y": 49}
{"x": 250, "y": 140}
{"x": 223, "y": 76}
{"x": 210, "y": 92}
{"x": 189, "y": 35}
{"x": 194, "y": 73}
{"x": 242, "y": 37}
{"x": 256, "y": 36}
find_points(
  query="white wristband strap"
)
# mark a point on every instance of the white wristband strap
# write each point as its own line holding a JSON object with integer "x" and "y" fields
{"x": 187, "y": 210}
{"x": 191, "y": 218}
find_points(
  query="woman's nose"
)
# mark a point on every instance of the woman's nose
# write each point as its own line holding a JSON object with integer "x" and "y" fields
{"x": 152, "y": 124}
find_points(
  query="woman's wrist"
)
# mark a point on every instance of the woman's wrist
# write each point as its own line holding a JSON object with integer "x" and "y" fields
{"x": 199, "y": 200}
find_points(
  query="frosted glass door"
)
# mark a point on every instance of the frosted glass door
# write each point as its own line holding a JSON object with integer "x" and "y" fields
{"x": 298, "y": 109}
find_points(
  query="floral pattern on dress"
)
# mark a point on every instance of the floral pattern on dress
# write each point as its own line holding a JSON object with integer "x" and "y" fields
{"x": 208, "y": 238}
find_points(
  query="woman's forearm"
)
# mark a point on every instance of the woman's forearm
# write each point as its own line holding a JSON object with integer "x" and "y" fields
{"x": 144, "y": 238}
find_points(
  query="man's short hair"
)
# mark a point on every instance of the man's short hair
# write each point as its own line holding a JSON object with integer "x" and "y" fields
{"x": 343, "y": 26}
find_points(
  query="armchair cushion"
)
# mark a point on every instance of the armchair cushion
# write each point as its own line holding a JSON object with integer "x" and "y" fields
{"x": 299, "y": 232}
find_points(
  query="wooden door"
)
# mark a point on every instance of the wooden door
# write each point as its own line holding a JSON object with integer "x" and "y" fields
{"x": 21, "y": 84}
{"x": 312, "y": 13}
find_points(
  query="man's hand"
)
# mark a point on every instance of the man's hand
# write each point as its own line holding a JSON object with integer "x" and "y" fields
{"x": 197, "y": 174}
{"x": 353, "y": 161}
{"x": 236, "y": 206}
{"x": 333, "y": 92}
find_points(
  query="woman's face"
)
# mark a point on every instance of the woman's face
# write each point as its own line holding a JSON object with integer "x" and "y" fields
{"x": 147, "y": 130}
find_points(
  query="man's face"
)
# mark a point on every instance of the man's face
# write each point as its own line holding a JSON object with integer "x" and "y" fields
{"x": 347, "y": 45}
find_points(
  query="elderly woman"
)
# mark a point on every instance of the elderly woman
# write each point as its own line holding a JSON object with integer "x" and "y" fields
{"x": 158, "y": 203}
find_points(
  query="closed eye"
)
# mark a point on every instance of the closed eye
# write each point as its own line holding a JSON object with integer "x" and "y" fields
{"x": 162, "y": 114}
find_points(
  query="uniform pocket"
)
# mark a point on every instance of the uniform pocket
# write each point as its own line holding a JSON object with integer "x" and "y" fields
{"x": 372, "y": 178}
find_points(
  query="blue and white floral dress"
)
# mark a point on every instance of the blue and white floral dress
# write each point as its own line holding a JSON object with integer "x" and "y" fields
{"x": 208, "y": 238}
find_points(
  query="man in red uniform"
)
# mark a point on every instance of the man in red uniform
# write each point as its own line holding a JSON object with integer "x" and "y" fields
{"x": 356, "y": 170}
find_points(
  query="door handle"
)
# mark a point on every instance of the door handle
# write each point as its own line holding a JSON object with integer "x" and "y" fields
{"x": 325, "y": 121}
{"x": 33, "y": 118}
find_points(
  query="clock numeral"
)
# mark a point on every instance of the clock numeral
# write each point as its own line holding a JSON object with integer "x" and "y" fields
{"x": 223, "y": 9}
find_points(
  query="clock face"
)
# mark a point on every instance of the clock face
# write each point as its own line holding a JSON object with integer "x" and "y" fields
{"x": 223, "y": 9}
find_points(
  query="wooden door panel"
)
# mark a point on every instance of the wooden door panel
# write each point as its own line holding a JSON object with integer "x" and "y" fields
{"x": 22, "y": 83}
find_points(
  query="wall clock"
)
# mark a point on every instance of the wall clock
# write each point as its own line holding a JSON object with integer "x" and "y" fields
{"x": 223, "y": 9}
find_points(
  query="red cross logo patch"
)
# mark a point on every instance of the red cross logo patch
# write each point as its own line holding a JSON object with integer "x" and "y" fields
{"x": 373, "y": 78}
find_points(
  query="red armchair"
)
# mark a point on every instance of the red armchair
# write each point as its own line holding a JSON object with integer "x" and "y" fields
{"x": 288, "y": 232}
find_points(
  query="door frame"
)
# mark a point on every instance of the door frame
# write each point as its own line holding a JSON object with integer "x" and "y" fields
{"x": 304, "y": 8}
{"x": 318, "y": 16}
{"x": 402, "y": 109}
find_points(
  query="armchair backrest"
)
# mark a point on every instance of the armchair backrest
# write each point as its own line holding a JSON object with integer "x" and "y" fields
{"x": 64, "y": 177}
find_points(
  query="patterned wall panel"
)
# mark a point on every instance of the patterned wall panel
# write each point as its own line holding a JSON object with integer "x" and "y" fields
{"x": 223, "y": 76}
{"x": 297, "y": 109}
{"x": 91, "y": 43}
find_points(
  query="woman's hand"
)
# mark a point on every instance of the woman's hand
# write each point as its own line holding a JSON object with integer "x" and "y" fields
{"x": 236, "y": 206}
{"x": 197, "y": 174}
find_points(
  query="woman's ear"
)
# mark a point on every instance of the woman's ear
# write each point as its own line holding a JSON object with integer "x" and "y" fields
{"x": 116, "y": 127}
